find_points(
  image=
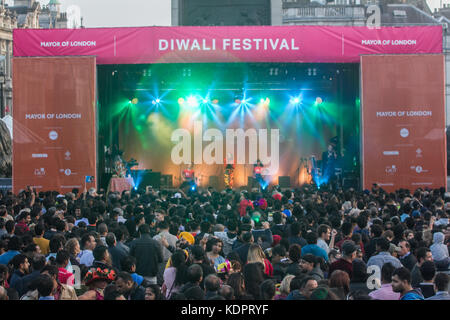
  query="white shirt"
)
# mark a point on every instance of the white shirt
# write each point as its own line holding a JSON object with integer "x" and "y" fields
{"x": 86, "y": 257}
{"x": 322, "y": 244}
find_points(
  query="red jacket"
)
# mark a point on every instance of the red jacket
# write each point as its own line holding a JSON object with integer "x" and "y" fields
{"x": 243, "y": 206}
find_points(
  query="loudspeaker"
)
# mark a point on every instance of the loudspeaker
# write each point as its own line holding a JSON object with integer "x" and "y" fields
{"x": 166, "y": 181}
{"x": 213, "y": 181}
{"x": 147, "y": 178}
{"x": 284, "y": 181}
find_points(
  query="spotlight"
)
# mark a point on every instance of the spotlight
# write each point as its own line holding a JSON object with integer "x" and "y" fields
{"x": 237, "y": 101}
{"x": 158, "y": 101}
{"x": 215, "y": 101}
{"x": 192, "y": 102}
{"x": 295, "y": 100}
{"x": 319, "y": 100}
{"x": 261, "y": 101}
{"x": 205, "y": 100}
{"x": 134, "y": 101}
{"x": 180, "y": 101}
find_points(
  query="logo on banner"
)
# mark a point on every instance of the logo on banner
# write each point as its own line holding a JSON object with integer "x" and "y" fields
{"x": 53, "y": 135}
{"x": 67, "y": 155}
{"x": 67, "y": 172}
{"x": 39, "y": 155}
{"x": 418, "y": 169}
{"x": 404, "y": 132}
{"x": 39, "y": 172}
{"x": 419, "y": 153}
{"x": 391, "y": 169}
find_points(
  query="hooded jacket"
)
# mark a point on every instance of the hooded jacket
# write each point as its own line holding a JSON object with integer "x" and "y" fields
{"x": 438, "y": 249}
{"x": 415, "y": 294}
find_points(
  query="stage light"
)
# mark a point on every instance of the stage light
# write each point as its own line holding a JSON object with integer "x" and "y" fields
{"x": 265, "y": 101}
{"x": 319, "y": 100}
{"x": 205, "y": 100}
{"x": 158, "y": 101}
{"x": 215, "y": 101}
{"x": 238, "y": 101}
{"x": 181, "y": 101}
{"x": 134, "y": 101}
{"x": 192, "y": 102}
{"x": 295, "y": 100}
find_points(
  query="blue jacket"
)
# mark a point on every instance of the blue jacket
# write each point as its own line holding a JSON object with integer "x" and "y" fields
{"x": 415, "y": 294}
{"x": 315, "y": 250}
{"x": 7, "y": 256}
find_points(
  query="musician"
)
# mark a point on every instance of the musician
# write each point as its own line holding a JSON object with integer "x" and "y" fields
{"x": 230, "y": 165}
{"x": 189, "y": 174}
{"x": 257, "y": 172}
{"x": 329, "y": 162}
{"x": 119, "y": 165}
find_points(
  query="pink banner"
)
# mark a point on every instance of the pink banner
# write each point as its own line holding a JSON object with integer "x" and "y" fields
{"x": 227, "y": 44}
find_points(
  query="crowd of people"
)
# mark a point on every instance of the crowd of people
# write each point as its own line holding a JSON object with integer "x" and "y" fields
{"x": 203, "y": 244}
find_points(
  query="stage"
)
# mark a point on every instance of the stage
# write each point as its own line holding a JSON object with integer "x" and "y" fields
{"x": 290, "y": 110}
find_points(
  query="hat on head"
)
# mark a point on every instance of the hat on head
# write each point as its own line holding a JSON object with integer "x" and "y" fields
{"x": 187, "y": 236}
{"x": 99, "y": 274}
{"x": 276, "y": 240}
{"x": 321, "y": 293}
{"x": 416, "y": 213}
{"x": 348, "y": 247}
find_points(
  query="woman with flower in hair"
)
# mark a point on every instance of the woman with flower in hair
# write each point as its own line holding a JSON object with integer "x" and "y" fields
{"x": 97, "y": 280}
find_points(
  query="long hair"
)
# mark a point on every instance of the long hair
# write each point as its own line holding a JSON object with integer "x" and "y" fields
{"x": 179, "y": 263}
{"x": 237, "y": 282}
{"x": 341, "y": 280}
{"x": 253, "y": 277}
{"x": 255, "y": 254}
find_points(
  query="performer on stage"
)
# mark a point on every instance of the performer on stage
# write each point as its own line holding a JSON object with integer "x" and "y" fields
{"x": 329, "y": 162}
{"x": 230, "y": 165}
{"x": 189, "y": 174}
{"x": 257, "y": 172}
{"x": 119, "y": 165}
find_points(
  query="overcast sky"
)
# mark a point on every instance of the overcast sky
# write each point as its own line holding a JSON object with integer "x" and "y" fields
{"x": 120, "y": 13}
{"x": 135, "y": 13}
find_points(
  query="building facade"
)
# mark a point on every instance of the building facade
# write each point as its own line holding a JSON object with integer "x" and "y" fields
{"x": 28, "y": 14}
{"x": 8, "y": 22}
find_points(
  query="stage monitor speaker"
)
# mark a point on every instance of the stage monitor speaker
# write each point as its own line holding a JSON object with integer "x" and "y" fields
{"x": 284, "y": 181}
{"x": 213, "y": 181}
{"x": 151, "y": 178}
{"x": 167, "y": 181}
